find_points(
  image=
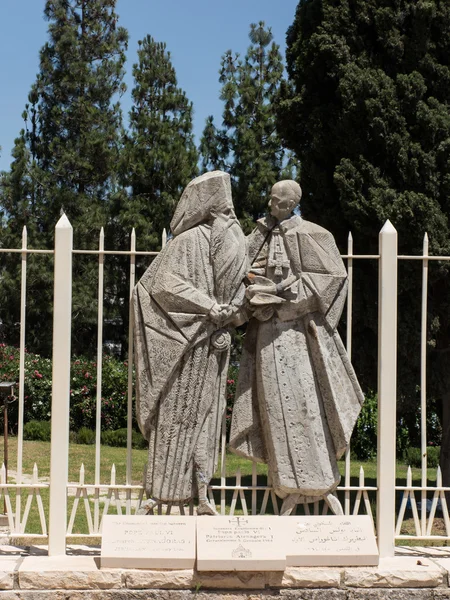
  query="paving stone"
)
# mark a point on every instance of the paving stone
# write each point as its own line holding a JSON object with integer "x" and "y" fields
{"x": 444, "y": 563}
{"x": 313, "y": 594}
{"x": 397, "y": 572}
{"x": 391, "y": 594}
{"x": 159, "y": 579}
{"x": 9, "y": 596}
{"x": 245, "y": 580}
{"x": 420, "y": 551}
{"x": 8, "y": 565}
{"x": 66, "y": 573}
{"x": 305, "y": 577}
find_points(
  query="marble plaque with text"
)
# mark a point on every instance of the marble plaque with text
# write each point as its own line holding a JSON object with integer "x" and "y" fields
{"x": 335, "y": 540}
{"x": 148, "y": 542}
{"x": 241, "y": 543}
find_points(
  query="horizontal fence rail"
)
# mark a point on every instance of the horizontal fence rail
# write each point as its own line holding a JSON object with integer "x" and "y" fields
{"x": 421, "y": 510}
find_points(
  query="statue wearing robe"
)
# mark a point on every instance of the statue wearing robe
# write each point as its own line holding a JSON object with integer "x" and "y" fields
{"x": 192, "y": 289}
{"x": 297, "y": 397}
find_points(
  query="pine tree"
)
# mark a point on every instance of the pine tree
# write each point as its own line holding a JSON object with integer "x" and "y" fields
{"x": 158, "y": 160}
{"x": 76, "y": 142}
{"x": 247, "y": 144}
{"x": 66, "y": 158}
{"x": 159, "y": 157}
{"x": 367, "y": 113}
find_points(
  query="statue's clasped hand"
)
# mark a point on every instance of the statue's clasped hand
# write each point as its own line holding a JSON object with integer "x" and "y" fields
{"x": 219, "y": 313}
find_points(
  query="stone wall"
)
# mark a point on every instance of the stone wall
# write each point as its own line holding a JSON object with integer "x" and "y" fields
{"x": 78, "y": 577}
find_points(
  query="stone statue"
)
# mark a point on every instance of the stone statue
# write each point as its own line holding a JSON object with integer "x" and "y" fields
{"x": 192, "y": 290}
{"x": 297, "y": 397}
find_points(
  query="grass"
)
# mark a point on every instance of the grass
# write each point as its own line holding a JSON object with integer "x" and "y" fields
{"x": 39, "y": 452}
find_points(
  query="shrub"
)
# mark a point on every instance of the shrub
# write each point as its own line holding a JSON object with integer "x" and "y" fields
{"x": 38, "y": 387}
{"x": 85, "y": 436}
{"x": 233, "y": 371}
{"x": 433, "y": 454}
{"x": 364, "y": 439}
{"x": 413, "y": 456}
{"x": 37, "y": 431}
{"x": 118, "y": 438}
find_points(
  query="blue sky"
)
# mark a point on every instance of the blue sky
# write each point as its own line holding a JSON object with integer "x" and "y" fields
{"x": 197, "y": 33}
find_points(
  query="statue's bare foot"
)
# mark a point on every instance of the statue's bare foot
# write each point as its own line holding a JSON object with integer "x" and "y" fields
{"x": 146, "y": 508}
{"x": 288, "y": 504}
{"x": 334, "y": 504}
{"x": 206, "y": 508}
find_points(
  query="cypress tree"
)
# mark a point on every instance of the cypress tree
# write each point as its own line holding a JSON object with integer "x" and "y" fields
{"x": 66, "y": 158}
{"x": 158, "y": 160}
{"x": 247, "y": 144}
{"x": 366, "y": 111}
{"x": 159, "y": 156}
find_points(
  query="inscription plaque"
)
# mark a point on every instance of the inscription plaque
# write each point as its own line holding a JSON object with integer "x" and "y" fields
{"x": 241, "y": 543}
{"x": 311, "y": 541}
{"x": 148, "y": 541}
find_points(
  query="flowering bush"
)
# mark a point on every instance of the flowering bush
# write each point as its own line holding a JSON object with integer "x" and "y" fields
{"x": 231, "y": 391}
{"x": 83, "y": 392}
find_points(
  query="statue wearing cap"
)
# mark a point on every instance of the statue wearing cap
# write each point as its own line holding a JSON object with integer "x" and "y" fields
{"x": 183, "y": 306}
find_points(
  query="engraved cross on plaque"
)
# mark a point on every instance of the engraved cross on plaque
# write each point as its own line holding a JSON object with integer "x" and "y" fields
{"x": 238, "y": 520}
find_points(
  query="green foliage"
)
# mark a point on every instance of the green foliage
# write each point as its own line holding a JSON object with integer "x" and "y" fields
{"x": 233, "y": 371}
{"x": 37, "y": 430}
{"x": 83, "y": 393}
{"x": 85, "y": 436}
{"x": 247, "y": 145}
{"x": 159, "y": 156}
{"x": 65, "y": 160}
{"x": 366, "y": 111}
{"x": 118, "y": 438}
{"x": 157, "y": 161}
{"x": 413, "y": 456}
{"x": 364, "y": 439}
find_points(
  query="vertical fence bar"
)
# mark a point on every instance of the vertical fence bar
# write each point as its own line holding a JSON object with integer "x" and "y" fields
{"x": 254, "y": 484}
{"x": 349, "y": 352}
{"x": 223, "y": 466}
{"x": 62, "y": 321}
{"x": 98, "y": 415}
{"x": 164, "y": 238}
{"x": 23, "y": 303}
{"x": 423, "y": 384}
{"x": 387, "y": 388}
{"x": 130, "y": 362}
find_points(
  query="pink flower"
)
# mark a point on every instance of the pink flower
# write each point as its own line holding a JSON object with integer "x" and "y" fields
{"x": 38, "y": 375}
{"x": 230, "y": 381}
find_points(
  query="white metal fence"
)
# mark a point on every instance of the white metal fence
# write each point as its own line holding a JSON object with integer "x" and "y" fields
{"x": 100, "y": 497}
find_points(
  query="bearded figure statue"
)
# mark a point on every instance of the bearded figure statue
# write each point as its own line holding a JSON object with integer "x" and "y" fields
{"x": 184, "y": 305}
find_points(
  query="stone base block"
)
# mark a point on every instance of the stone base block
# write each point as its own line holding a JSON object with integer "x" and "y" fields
{"x": 397, "y": 572}
{"x": 37, "y": 577}
{"x": 66, "y": 573}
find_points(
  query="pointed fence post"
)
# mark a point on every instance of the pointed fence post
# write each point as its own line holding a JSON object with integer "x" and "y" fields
{"x": 62, "y": 321}
{"x": 387, "y": 389}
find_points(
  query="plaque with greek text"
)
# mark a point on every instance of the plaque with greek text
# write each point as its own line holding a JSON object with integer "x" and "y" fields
{"x": 148, "y": 541}
{"x": 239, "y": 543}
